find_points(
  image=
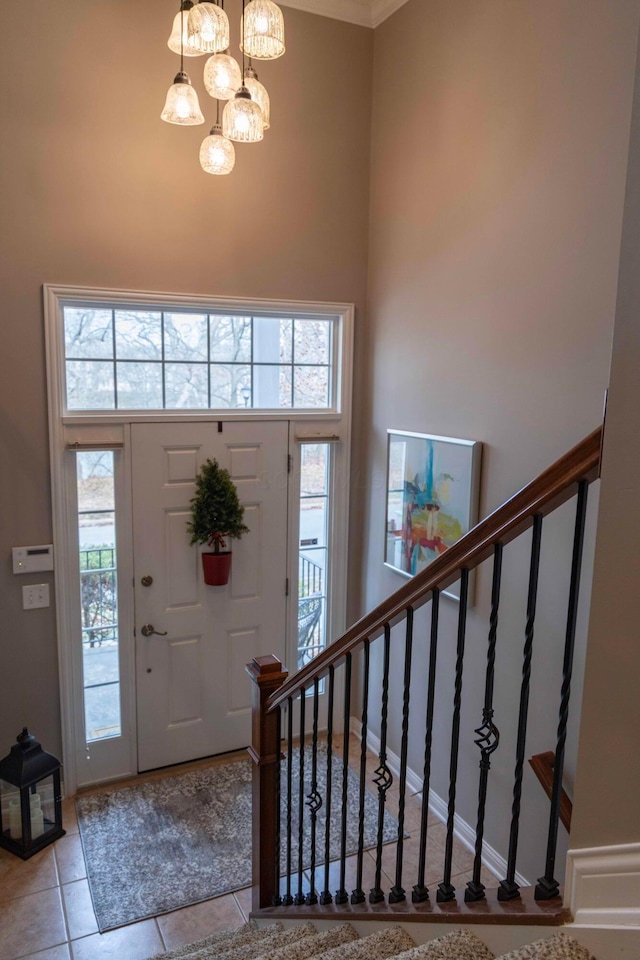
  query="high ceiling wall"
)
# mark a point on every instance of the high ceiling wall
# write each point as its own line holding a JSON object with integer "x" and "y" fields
{"x": 95, "y": 190}
{"x": 499, "y": 155}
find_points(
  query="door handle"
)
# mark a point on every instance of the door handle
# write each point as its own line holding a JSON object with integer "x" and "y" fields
{"x": 149, "y": 630}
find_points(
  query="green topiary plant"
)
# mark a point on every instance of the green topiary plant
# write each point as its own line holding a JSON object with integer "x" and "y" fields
{"x": 216, "y": 513}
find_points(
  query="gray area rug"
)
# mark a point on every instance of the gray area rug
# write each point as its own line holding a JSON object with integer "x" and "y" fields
{"x": 168, "y": 843}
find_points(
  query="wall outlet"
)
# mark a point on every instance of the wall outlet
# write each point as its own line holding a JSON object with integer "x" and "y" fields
{"x": 34, "y": 596}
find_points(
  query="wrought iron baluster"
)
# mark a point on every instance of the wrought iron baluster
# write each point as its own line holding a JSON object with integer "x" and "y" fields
{"x": 300, "y": 897}
{"x": 509, "y": 889}
{"x": 488, "y": 733}
{"x": 287, "y": 899}
{"x": 341, "y": 894}
{"x": 383, "y": 778}
{"x": 547, "y": 886}
{"x": 314, "y": 800}
{"x": 358, "y": 894}
{"x": 446, "y": 890}
{"x": 420, "y": 891}
{"x": 326, "y": 896}
{"x": 397, "y": 893}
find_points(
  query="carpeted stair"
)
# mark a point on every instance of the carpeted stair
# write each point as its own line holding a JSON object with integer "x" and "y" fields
{"x": 342, "y": 942}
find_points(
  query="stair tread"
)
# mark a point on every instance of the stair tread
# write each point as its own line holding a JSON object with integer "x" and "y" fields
{"x": 313, "y": 945}
{"x": 457, "y": 945}
{"x": 242, "y": 945}
{"x": 224, "y": 940}
{"x": 377, "y": 946}
{"x": 558, "y": 947}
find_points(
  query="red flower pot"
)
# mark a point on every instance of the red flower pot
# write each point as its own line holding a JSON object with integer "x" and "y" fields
{"x": 217, "y": 567}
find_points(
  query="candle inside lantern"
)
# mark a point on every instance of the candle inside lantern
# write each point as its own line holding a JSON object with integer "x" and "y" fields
{"x": 37, "y": 822}
{"x": 15, "y": 820}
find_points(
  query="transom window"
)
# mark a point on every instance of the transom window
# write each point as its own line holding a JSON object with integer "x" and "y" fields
{"x": 137, "y": 359}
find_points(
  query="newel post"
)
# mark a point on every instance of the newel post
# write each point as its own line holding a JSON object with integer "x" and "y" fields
{"x": 267, "y": 675}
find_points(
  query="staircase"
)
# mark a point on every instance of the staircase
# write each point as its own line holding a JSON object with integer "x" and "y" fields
{"x": 293, "y": 850}
{"x": 342, "y": 942}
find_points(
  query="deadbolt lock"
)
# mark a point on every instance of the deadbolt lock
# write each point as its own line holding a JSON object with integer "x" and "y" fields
{"x": 146, "y": 581}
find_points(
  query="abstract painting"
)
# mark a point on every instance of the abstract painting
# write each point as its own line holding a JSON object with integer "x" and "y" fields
{"x": 432, "y": 498}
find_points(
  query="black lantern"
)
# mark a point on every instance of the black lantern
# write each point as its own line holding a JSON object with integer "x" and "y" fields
{"x": 30, "y": 800}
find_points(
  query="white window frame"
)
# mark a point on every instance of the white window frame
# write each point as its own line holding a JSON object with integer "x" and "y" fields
{"x": 113, "y": 426}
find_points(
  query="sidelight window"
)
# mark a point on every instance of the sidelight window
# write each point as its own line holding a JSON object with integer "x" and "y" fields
{"x": 98, "y": 565}
{"x": 313, "y": 557}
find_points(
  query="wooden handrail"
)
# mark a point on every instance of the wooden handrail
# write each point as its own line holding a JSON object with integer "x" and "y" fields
{"x": 551, "y": 489}
{"x": 542, "y": 765}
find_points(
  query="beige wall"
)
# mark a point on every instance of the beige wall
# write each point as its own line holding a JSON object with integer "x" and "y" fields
{"x": 607, "y": 807}
{"x": 96, "y": 190}
{"x": 500, "y": 134}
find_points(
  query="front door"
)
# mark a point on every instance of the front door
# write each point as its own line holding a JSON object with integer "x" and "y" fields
{"x": 193, "y": 694}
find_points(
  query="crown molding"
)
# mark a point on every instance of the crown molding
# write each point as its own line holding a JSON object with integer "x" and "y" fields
{"x": 364, "y": 13}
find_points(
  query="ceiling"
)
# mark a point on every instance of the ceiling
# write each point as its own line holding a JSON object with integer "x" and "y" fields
{"x": 366, "y": 13}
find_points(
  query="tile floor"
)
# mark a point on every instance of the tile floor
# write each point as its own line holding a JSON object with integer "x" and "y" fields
{"x": 46, "y": 910}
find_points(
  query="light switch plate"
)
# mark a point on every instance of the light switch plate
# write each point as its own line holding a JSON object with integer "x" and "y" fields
{"x": 35, "y": 595}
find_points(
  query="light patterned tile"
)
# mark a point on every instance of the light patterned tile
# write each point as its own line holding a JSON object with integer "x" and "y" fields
{"x": 462, "y": 857}
{"x": 201, "y": 919}
{"x": 78, "y": 908}
{"x": 31, "y": 924}
{"x": 52, "y": 953}
{"x": 70, "y": 859}
{"x": 489, "y": 879}
{"x": 69, "y": 817}
{"x": 138, "y": 941}
{"x": 351, "y": 868}
{"x": 410, "y": 860}
{"x": 20, "y": 877}
{"x": 243, "y": 899}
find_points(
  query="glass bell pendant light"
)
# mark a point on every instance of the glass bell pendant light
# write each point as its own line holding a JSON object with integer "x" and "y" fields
{"x": 217, "y": 154}
{"x": 258, "y": 93}
{"x": 262, "y": 30}
{"x": 208, "y": 28}
{"x": 175, "y": 40}
{"x": 182, "y": 105}
{"x": 222, "y": 77}
{"x": 242, "y": 118}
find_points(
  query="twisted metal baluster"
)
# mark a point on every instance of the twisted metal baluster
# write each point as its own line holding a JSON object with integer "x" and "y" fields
{"x": 420, "y": 892}
{"x": 397, "y": 893}
{"x": 383, "y": 778}
{"x": 341, "y": 894}
{"x": 314, "y": 800}
{"x": 287, "y": 899}
{"x": 509, "y": 889}
{"x": 446, "y": 890}
{"x": 358, "y": 894}
{"x": 300, "y": 897}
{"x": 326, "y": 896}
{"x": 488, "y": 733}
{"x": 547, "y": 887}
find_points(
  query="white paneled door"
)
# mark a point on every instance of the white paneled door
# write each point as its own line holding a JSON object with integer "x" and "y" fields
{"x": 193, "y": 695}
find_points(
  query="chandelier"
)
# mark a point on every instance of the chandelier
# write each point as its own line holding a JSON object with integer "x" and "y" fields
{"x": 203, "y": 28}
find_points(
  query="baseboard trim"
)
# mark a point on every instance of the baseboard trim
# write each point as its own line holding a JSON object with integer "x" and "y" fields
{"x": 603, "y": 885}
{"x": 465, "y": 833}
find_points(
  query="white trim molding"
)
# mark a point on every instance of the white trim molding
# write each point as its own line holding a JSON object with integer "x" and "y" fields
{"x": 364, "y": 13}
{"x": 465, "y": 833}
{"x": 603, "y": 885}
{"x": 109, "y": 429}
